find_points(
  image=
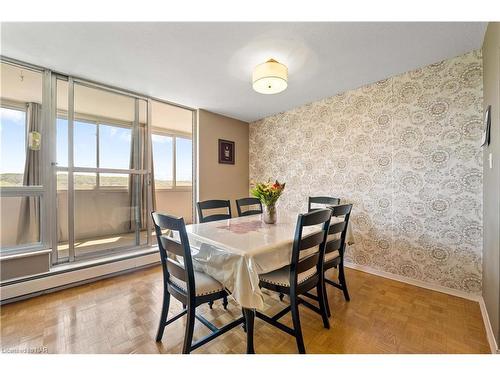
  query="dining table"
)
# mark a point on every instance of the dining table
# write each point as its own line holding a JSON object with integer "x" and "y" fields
{"x": 236, "y": 251}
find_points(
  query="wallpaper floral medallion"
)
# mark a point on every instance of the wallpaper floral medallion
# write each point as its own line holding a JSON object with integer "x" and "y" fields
{"x": 406, "y": 152}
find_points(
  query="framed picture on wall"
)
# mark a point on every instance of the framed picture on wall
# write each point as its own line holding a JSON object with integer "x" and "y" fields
{"x": 226, "y": 152}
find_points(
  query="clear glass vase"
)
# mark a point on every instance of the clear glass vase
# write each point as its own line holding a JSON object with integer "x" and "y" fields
{"x": 269, "y": 214}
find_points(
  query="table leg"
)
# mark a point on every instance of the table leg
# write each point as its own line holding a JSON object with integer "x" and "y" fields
{"x": 249, "y": 321}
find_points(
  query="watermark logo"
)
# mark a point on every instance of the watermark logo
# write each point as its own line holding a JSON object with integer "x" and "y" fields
{"x": 34, "y": 350}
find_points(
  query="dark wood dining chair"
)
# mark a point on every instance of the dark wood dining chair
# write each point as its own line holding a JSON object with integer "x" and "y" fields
{"x": 212, "y": 205}
{"x": 248, "y": 202}
{"x": 311, "y": 206}
{"x": 335, "y": 249}
{"x": 303, "y": 274}
{"x": 323, "y": 201}
{"x": 180, "y": 280}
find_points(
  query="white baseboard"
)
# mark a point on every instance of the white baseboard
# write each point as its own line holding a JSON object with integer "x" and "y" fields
{"x": 421, "y": 284}
{"x": 487, "y": 326}
{"x": 72, "y": 277}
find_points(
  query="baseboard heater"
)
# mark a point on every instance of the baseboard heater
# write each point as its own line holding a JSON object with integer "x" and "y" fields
{"x": 15, "y": 290}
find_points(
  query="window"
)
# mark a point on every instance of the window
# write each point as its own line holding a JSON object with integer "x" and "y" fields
{"x": 163, "y": 161}
{"x": 163, "y": 151}
{"x": 114, "y": 147}
{"x": 13, "y": 146}
{"x": 85, "y": 144}
{"x": 62, "y": 142}
{"x": 114, "y": 152}
{"x": 183, "y": 162}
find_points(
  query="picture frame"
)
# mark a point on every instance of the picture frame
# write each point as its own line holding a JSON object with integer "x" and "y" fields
{"x": 226, "y": 152}
{"x": 485, "y": 140}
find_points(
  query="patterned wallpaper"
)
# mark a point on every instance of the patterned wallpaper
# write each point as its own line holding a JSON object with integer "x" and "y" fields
{"x": 406, "y": 152}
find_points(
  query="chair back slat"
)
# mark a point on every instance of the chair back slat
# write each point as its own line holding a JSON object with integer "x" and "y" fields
{"x": 245, "y": 202}
{"x": 167, "y": 221}
{"x": 211, "y": 205}
{"x": 176, "y": 270}
{"x": 171, "y": 248}
{"x": 316, "y": 217}
{"x": 321, "y": 200}
{"x": 306, "y": 263}
{"x": 341, "y": 210}
{"x": 215, "y": 217}
{"x": 311, "y": 240}
{"x": 333, "y": 245}
{"x": 337, "y": 227}
{"x": 251, "y": 212}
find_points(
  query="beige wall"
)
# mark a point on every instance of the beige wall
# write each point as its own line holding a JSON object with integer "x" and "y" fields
{"x": 405, "y": 151}
{"x": 178, "y": 203}
{"x": 221, "y": 181}
{"x": 491, "y": 179}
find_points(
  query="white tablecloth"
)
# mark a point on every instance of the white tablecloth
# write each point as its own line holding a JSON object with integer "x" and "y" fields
{"x": 236, "y": 251}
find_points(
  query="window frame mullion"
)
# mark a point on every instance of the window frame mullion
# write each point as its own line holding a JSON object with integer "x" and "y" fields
{"x": 97, "y": 157}
{"x": 174, "y": 162}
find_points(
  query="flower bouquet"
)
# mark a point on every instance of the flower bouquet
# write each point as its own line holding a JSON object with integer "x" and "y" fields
{"x": 268, "y": 194}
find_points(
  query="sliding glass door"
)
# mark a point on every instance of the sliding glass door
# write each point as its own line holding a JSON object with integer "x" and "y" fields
{"x": 102, "y": 171}
{"x": 83, "y": 165}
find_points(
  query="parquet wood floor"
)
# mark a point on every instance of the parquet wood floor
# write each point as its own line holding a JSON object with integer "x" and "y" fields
{"x": 120, "y": 315}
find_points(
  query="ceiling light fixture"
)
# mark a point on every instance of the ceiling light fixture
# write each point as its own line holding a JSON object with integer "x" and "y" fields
{"x": 270, "y": 77}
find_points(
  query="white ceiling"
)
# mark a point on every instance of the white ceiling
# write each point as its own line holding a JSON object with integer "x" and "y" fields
{"x": 209, "y": 65}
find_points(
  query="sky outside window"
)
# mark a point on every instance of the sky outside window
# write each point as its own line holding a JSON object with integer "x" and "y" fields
{"x": 163, "y": 161}
{"x": 13, "y": 140}
{"x": 184, "y": 167}
{"x": 62, "y": 142}
{"x": 114, "y": 147}
{"x": 85, "y": 144}
{"x": 12, "y": 146}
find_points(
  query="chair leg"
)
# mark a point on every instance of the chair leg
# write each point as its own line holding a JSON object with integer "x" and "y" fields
{"x": 211, "y": 304}
{"x": 188, "y": 336}
{"x": 249, "y": 323}
{"x": 224, "y": 302}
{"x": 296, "y": 324}
{"x": 322, "y": 303}
{"x": 244, "y": 325}
{"x": 342, "y": 282}
{"x": 164, "y": 314}
{"x": 327, "y": 304}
